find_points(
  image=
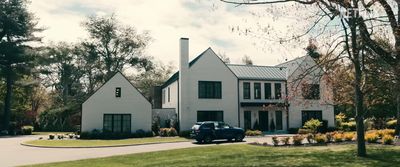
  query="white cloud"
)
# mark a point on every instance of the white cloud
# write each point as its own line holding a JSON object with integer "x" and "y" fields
{"x": 206, "y": 23}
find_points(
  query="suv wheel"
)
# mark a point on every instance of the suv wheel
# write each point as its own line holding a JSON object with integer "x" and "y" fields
{"x": 238, "y": 138}
{"x": 207, "y": 139}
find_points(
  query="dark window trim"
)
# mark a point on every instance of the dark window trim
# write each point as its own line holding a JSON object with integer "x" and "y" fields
{"x": 270, "y": 90}
{"x": 278, "y": 92}
{"x": 122, "y": 121}
{"x": 246, "y": 95}
{"x": 197, "y": 116}
{"x": 255, "y": 92}
{"x": 118, "y": 92}
{"x": 169, "y": 95}
{"x": 216, "y": 95}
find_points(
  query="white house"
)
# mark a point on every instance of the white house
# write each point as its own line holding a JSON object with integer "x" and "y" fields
{"x": 207, "y": 89}
{"x": 117, "y": 106}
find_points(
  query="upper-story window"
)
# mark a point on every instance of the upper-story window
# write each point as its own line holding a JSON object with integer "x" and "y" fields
{"x": 257, "y": 90}
{"x": 267, "y": 91}
{"x": 169, "y": 95}
{"x": 210, "y": 89}
{"x": 118, "y": 92}
{"x": 246, "y": 90}
{"x": 163, "y": 96}
{"x": 278, "y": 90}
{"x": 311, "y": 91}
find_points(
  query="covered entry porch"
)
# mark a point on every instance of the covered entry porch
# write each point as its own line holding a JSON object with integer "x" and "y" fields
{"x": 266, "y": 118}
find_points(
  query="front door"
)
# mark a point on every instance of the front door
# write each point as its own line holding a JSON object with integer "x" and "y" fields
{"x": 263, "y": 120}
{"x": 247, "y": 120}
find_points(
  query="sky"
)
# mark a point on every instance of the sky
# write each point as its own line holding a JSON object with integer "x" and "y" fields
{"x": 207, "y": 23}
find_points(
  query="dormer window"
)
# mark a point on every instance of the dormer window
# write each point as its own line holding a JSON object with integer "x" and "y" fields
{"x": 118, "y": 92}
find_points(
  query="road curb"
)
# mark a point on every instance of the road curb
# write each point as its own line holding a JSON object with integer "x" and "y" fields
{"x": 125, "y": 145}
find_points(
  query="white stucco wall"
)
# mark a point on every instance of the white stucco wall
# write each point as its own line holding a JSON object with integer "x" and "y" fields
{"x": 299, "y": 104}
{"x": 104, "y": 101}
{"x": 173, "y": 99}
{"x": 209, "y": 68}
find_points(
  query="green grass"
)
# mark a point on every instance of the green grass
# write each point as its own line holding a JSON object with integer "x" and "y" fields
{"x": 96, "y": 143}
{"x": 47, "y": 133}
{"x": 249, "y": 155}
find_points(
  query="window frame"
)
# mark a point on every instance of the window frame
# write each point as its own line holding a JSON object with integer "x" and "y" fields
{"x": 257, "y": 95}
{"x": 278, "y": 91}
{"x": 315, "y": 114}
{"x": 268, "y": 91}
{"x": 212, "y": 90}
{"x": 279, "y": 124}
{"x": 118, "y": 93}
{"x": 311, "y": 91}
{"x": 246, "y": 90}
{"x": 121, "y": 122}
{"x": 210, "y": 111}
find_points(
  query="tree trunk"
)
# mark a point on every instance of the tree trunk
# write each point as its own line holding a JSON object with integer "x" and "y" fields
{"x": 397, "y": 132}
{"x": 7, "y": 99}
{"x": 359, "y": 97}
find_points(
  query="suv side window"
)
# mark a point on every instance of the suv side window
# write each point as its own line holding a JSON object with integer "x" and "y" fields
{"x": 208, "y": 126}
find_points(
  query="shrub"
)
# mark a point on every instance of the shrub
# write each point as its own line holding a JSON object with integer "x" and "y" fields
{"x": 298, "y": 140}
{"x": 389, "y": 132}
{"x": 172, "y": 132}
{"x": 304, "y": 131}
{"x": 60, "y": 136}
{"x": 293, "y": 130}
{"x": 349, "y": 136}
{"x": 140, "y": 133}
{"x": 329, "y": 137}
{"x": 165, "y": 132}
{"x": 391, "y": 124}
{"x": 96, "y": 134}
{"x": 275, "y": 140}
{"x": 349, "y": 126}
{"x": 84, "y": 135}
{"x": 149, "y": 134}
{"x": 320, "y": 138}
{"x": 184, "y": 133}
{"x": 253, "y": 133}
{"x": 371, "y": 137}
{"x": 310, "y": 138}
{"x": 338, "y": 137}
{"x": 313, "y": 125}
{"x": 51, "y": 136}
{"x": 387, "y": 139}
{"x": 71, "y": 136}
{"x": 285, "y": 140}
{"x": 26, "y": 130}
{"x": 330, "y": 129}
{"x": 155, "y": 126}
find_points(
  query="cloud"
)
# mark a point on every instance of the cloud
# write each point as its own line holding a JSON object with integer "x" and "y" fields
{"x": 206, "y": 23}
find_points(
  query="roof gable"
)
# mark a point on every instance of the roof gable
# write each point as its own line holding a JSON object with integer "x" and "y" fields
{"x": 111, "y": 78}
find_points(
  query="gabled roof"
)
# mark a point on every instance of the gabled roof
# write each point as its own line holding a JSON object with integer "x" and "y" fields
{"x": 258, "y": 72}
{"x": 118, "y": 72}
{"x": 175, "y": 76}
{"x": 292, "y": 65}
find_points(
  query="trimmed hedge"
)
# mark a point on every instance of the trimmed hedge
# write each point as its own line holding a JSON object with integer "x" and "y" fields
{"x": 26, "y": 130}
{"x": 96, "y": 134}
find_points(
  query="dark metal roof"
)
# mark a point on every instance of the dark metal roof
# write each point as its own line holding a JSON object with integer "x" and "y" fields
{"x": 258, "y": 72}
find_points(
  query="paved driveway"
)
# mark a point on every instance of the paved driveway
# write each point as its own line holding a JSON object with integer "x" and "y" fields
{"x": 14, "y": 154}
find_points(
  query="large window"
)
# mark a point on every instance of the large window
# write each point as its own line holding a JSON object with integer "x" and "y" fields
{"x": 210, "y": 116}
{"x": 209, "y": 89}
{"x": 117, "y": 123}
{"x": 246, "y": 90}
{"x": 311, "y": 91}
{"x": 278, "y": 117}
{"x": 257, "y": 90}
{"x": 267, "y": 91}
{"x": 307, "y": 115}
{"x": 247, "y": 120}
{"x": 278, "y": 90}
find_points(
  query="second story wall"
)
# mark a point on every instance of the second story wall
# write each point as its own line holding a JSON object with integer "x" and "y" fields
{"x": 169, "y": 96}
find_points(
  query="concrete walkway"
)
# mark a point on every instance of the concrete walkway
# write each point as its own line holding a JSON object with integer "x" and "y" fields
{"x": 14, "y": 154}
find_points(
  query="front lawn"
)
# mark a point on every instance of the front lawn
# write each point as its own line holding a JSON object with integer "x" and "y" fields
{"x": 102, "y": 143}
{"x": 249, "y": 155}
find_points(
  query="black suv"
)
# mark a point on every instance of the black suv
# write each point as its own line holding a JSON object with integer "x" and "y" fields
{"x": 209, "y": 131}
